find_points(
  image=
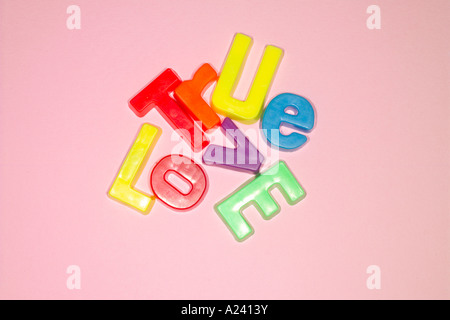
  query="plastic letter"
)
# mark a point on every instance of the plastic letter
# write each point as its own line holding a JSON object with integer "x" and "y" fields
{"x": 244, "y": 157}
{"x": 156, "y": 94}
{"x": 189, "y": 95}
{"x": 256, "y": 192}
{"x": 249, "y": 110}
{"x": 122, "y": 188}
{"x": 189, "y": 171}
{"x": 275, "y": 114}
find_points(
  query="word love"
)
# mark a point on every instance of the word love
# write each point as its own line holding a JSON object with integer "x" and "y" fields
{"x": 182, "y": 105}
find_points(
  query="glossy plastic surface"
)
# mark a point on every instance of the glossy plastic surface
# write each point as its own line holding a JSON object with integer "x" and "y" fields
{"x": 122, "y": 188}
{"x": 157, "y": 94}
{"x": 275, "y": 115}
{"x": 256, "y": 192}
{"x": 170, "y": 194}
{"x": 222, "y": 98}
{"x": 189, "y": 95}
{"x": 245, "y": 157}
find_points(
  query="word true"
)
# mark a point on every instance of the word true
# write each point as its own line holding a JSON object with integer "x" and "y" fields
{"x": 182, "y": 105}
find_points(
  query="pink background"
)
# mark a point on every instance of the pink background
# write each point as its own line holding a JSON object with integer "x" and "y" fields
{"x": 376, "y": 169}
